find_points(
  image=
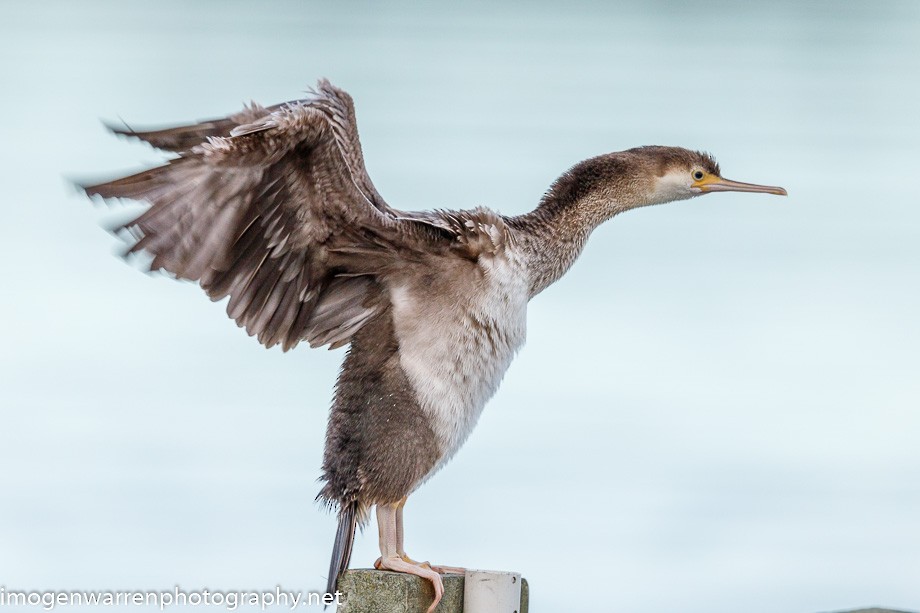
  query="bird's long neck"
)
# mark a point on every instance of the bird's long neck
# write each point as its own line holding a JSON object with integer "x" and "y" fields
{"x": 551, "y": 240}
{"x": 552, "y": 236}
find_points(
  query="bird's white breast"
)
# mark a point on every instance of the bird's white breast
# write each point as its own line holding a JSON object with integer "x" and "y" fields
{"x": 455, "y": 349}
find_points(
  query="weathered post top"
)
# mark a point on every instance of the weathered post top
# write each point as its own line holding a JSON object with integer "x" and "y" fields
{"x": 375, "y": 591}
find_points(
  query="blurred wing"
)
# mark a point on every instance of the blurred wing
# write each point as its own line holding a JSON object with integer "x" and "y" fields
{"x": 266, "y": 208}
{"x": 183, "y": 138}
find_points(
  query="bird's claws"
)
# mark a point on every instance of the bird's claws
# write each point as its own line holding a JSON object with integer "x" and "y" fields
{"x": 400, "y": 565}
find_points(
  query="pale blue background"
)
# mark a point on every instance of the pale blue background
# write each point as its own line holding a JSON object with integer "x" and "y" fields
{"x": 717, "y": 410}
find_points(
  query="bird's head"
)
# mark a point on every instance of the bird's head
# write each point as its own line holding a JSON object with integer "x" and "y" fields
{"x": 678, "y": 174}
{"x": 599, "y": 188}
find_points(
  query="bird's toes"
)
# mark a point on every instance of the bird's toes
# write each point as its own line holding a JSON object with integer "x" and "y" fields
{"x": 398, "y": 564}
{"x": 447, "y": 570}
{"x": 438, "y": 592}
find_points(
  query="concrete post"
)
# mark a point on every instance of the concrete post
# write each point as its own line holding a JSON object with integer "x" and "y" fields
{"x": 377, "y": 591}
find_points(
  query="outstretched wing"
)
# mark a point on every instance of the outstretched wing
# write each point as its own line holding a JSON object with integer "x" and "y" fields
{"x": 269, "y": 207}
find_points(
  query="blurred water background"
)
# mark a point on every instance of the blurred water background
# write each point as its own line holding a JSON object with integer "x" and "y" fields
{"x": 718, "y": 409}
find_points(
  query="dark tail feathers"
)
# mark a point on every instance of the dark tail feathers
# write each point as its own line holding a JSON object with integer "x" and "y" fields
{"x": 344, "y": 540}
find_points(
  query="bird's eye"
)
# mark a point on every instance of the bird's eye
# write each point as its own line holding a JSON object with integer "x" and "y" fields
{"x": 698, "y": 175}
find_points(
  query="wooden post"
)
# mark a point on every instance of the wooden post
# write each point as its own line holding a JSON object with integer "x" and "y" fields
{"x": 377, "y": 591}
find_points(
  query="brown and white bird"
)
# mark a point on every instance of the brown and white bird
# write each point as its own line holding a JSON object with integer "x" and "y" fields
{"x": 272, "y": 207}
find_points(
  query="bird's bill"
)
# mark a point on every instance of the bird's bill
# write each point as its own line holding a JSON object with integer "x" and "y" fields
{"x": 718, "y": 184}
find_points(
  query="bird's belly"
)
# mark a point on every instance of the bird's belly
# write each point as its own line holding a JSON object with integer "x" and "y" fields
{"x": 455, "y": 349}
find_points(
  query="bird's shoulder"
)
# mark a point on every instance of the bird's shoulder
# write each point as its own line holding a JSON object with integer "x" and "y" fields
{"x": 470, "y": 233}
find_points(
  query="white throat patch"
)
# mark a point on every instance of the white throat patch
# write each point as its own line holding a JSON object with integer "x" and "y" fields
{"x": 675, "y": 185}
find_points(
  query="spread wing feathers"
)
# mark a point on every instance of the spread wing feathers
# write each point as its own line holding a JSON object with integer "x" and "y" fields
{"x": 277, "y": 213}
{"x": 183, "y": 138}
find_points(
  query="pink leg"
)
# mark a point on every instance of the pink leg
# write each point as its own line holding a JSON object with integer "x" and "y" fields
{"x": 443, "y": 570}
{"x": 390, "y": 547}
